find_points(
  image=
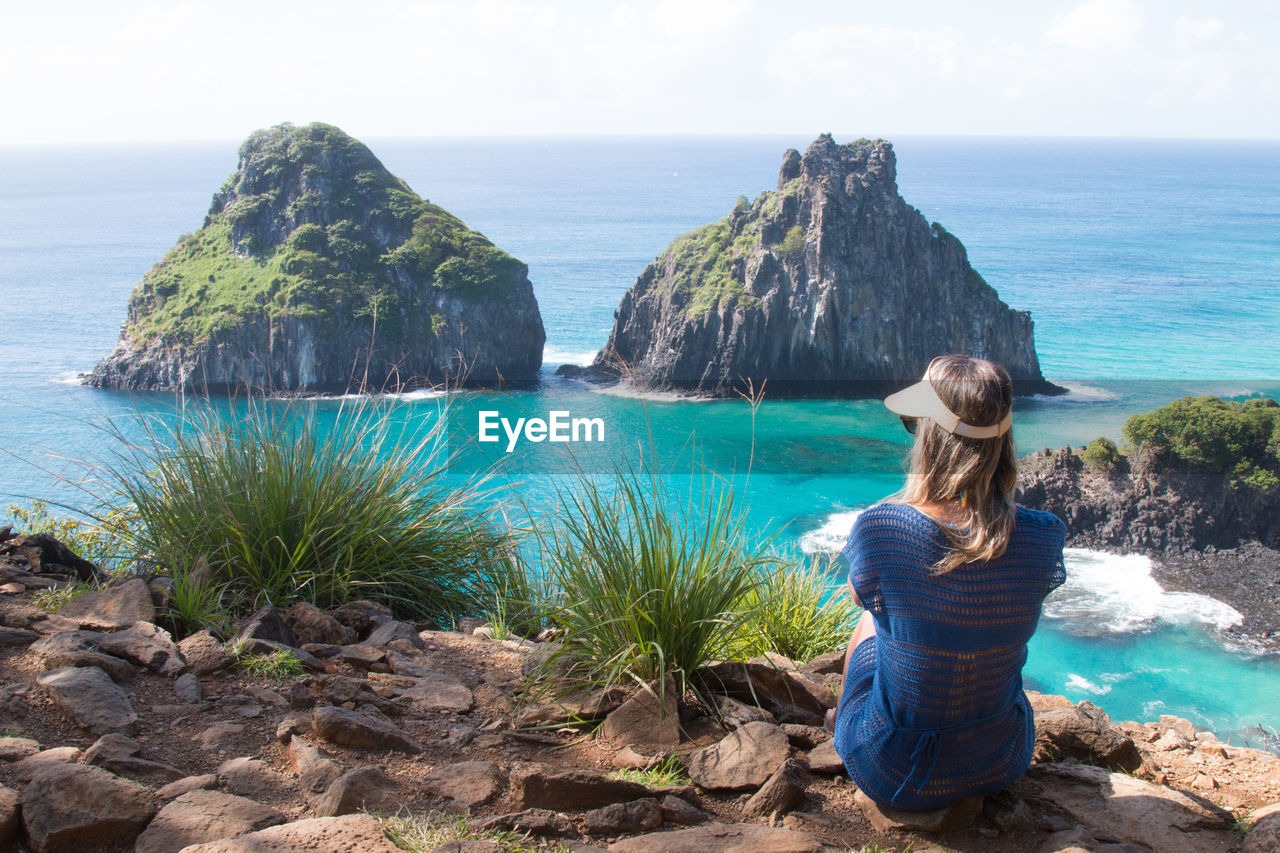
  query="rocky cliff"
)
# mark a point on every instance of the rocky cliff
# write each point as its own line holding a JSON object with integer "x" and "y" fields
{"x": 317, "y": 270}
{"x": 830, "y": 285}
{"x": 1204, "y": 533}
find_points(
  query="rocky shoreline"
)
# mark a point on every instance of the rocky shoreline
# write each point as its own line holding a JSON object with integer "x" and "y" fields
{"x": 117, "y": 738}
{"x": 1203, "y": 535}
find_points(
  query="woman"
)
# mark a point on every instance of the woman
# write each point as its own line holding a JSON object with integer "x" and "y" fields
{"x": 951, "y": 573}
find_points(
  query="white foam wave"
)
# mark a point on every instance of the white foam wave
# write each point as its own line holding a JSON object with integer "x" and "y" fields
{"x": 831, "y": 536}
{"x": 1115, "y": 593}
{"x": 1078, "y": 392}
{"x": 71, "y": 377}
{"x": 554, "y": 356}
{"x": 626, "y": 389}
{"x": 1079, "y": 682}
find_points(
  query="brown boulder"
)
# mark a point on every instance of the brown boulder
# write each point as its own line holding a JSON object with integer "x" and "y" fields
{"x": 958, "y": 815}
{"x": 198, "y": 816}
{"x": 722, "y": 838}
{"x": 117, "y": 606}
{"x": 71, "y": 806}
{"x": 780, "y": 793}
{"x": 791, "y": 696}
{"x": 349, "y": 832}
{"x": 363, "y": 789}
{"x": 649, "y": 721}
{"x": 466, "y": 784}
{"x": 744, "y": 759}
{"x": 310, "y": 624}
{"x": 543, "y": 786}
{"x": 1084, "y": 733}
{"x": 90, "y": 699}
{"x": 360, "y": 731}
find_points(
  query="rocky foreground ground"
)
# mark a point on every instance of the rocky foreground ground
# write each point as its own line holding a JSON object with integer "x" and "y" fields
{"x": 113, "y": 737}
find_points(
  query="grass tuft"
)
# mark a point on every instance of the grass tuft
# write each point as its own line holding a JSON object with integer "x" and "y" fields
{"x": 422, "y": 834}
{"x": 669, "y": 771}
{"x": 281, "y": 506}
{"x": 279, "y": 665}
{"x": 796, "y": 612}
{"x": 57, "y": 597}
{"x": 651, "y": 579}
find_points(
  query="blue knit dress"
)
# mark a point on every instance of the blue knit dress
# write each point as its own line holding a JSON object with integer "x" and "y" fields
{"x": 933, "y": 708}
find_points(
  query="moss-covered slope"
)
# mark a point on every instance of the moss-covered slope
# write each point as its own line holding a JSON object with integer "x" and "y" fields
{"x": 318, "y": 270}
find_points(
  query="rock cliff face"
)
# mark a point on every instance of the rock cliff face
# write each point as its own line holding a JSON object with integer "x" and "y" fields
{"x": 317, "y": 270}
{"x": 1204, "y": 535}
{"x": 831, "y": 285}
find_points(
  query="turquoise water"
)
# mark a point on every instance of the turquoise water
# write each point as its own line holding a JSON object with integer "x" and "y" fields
{"x": 1152, "y": 270}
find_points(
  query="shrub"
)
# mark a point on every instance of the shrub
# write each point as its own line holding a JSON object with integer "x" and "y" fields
{"x": 1241, "y": 439}
{"x": 797, "y": 613}
{"x": 280, "y": 509}
{"x": 793, "y": 242}
{"x": 85, "y": 539}
{"x": 278, "y": 665}
{"x": 652, "y": 581}
{"x": 1101, "y": 453}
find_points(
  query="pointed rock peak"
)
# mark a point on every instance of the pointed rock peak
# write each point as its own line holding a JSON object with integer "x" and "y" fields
{"x": 870, "y": 160}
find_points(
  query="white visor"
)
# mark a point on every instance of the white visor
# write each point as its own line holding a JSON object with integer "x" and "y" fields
{"x": 922, "y": 401}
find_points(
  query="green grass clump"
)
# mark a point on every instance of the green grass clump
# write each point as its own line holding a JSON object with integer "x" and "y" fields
{"x": 1101, "y": 454}
{"x": 425, "y": 833}
{"x": 279, "y": 665}
{"x": 1241, "y": 439}
{"x": 280, "y": 507}
{"x": 703, "y": 267}
{"x": 669, "y": 771}
{"x": 796, "y": 613}
{"x": 652, "y": 580}
{"x": 57, "y": 597}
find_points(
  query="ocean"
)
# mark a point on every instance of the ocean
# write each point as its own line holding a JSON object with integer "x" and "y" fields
{"x": 1151, "y": 269}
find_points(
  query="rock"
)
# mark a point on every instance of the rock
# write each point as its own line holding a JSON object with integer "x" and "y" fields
{"x": 1264, "y": 837}
{"x": 44, "y": 554}
{"x": 393, "y": 630}
{"x": 1122, "y": 808}
{"x": 649, "y": 721}
{"x": 364, "y": 656}
{"x": 437, "y": 692}
{"x": 679, "y": 811}
{"x": 623, "y": 818}
{"x": 805, "y": 737}
{"x": 251, "y": 777}
{"x": 340, "y": 690}
{"x": 722, "y": 838}
{"x": 406, "y": 665}
{"x": 258, "y": 646}
{"x": 119, "y": 754}
{"x": 146, "y": 645}
{"x": 266, "y": 696}
{"x": 465, "y": 785}
{"x": 69, "y": 806}
{"x": 800, "y": 287}
{"x": 204, "y": 653}
{"x": 10, "y": 814}
{"x": 831, "y": 663}
{"x": 265, "y": 623}
{"x": 203, "y": 782}
{"x": 310, "y": 624}
{"x": 297, "y": 723}
{"x": 90, "y": 699}
{"x": 575, "y": 707}
{"x": 464, "y": 846}
{"x": 13, "y": 638}
{"x": 744, "y": 759}
{"x": 316, "y": 771}
{"x": 199, "y": 816}
{"x": 458, "y": 299}
{"x": 1086, "y": 734}
{"x": 543, "y": 786}
{"x": 358, "y": 731}
{"x": 958, "y": 815}
{"x": 28, "y": 768}
{"x": 79, "y": 649}
{"x": 737, "y": 714}
{"x": 217, "y": 734}
{"x": 790, "y": 696}
{"x": 317, "y": 835}
{"x": 363, "y": 789}
{"x": 360, "y": 616}
{"x": 781, "y": 793}
{"x": 117, "y": 606}
{"x": 1041, "y": 702}
{"x": 1182, "y": 726}
{"x": 541, "y": 822}
{"x": 17, "y": 748}
{"x": 1172, "y": 739}
{"x": 187, "y": 688}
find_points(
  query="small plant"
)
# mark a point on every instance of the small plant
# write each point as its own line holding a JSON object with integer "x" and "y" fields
{"x": 1244, "y": 822}
{"x": 1101, "y": 454}
{"x": 57, "y": 597}
{"x": 651, "y": 580}
{"x": 797, "y": 613}
{"x": 426, "y": 833}
{"x": 279, "y": 665}
{"x": 284, "y": 506}
{"x": 669, "y": 771}
{"x": 85, "y": 540}
{"x": 195, "y": 603}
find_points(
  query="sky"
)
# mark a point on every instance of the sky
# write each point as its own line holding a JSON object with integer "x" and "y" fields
{"x": 90, "y": 72}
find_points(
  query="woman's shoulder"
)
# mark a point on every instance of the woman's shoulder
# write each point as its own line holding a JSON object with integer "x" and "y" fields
{"x": 1040, "y": 523}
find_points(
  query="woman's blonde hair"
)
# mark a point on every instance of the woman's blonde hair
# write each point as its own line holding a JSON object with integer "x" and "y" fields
{"x": 984, "y": 470}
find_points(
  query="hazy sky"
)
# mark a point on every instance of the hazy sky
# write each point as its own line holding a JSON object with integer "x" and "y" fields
{"x": 217, "y": 69}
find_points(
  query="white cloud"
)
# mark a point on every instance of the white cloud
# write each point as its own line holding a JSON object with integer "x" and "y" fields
{"x": 1098, "y": 25}
{"x": 690, "y": 19}
{"x": 1190, "y": 29}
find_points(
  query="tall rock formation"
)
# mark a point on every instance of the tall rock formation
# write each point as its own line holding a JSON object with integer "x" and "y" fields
{"x": 830, "y": 285}
{"x": 317, "y": 270}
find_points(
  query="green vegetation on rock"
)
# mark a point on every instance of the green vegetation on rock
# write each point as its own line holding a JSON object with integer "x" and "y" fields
{"x": 1241, "y": 439}
{"x": 1101, "y": 453}
{"x": 312, "y": 225}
